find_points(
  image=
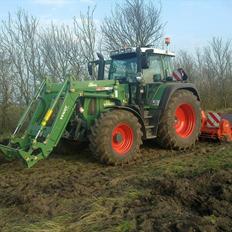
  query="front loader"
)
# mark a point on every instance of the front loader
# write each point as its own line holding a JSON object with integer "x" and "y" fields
{"x": 142, "y": 98}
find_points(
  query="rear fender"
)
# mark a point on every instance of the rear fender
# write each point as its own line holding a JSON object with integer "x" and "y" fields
{"x": 169, "y": 91}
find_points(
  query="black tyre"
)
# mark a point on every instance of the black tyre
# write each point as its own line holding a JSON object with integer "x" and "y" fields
{"x": 180, "y": 123}
{"x": 116, "y": 137}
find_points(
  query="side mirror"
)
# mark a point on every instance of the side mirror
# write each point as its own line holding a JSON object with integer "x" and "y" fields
{"x": 90, "y": 68}
{"x": 183, "y": 74}
{"x": 144, "y": 62}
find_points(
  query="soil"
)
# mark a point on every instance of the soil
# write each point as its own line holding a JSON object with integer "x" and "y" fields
{"x": 164, "y": 191}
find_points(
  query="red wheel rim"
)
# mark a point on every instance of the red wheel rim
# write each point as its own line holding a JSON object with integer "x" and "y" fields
{"x": 122, "y": 138}
{"x": 185, "y": 120}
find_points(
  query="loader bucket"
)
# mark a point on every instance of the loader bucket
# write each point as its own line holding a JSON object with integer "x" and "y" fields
{"x": 8, "y": 152}
{"x": 26, "y": 157}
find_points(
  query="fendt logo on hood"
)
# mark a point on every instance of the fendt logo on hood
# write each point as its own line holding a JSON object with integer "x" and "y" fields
{"x": 64, "y": 112}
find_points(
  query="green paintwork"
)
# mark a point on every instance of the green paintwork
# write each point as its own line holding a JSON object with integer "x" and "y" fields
{"x": 57, "y": 105}
{"x": 39, "y": 140}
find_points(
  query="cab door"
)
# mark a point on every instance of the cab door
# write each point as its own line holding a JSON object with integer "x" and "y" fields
{"x": 152, "y": 78}
{"x": 155, "y": 71}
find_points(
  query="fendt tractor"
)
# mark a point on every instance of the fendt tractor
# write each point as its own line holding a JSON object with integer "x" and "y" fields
{"x": 142, "y": 98}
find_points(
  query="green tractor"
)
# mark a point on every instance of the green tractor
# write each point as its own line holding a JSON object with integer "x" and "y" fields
{"x": 141, "y": 98}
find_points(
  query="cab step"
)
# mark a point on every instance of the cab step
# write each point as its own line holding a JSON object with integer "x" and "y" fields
{"x": 149, "y": 127}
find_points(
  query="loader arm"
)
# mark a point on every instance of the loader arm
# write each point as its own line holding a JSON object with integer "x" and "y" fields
{"x": 54, "y": 104}
{"x": 46, "y": 127}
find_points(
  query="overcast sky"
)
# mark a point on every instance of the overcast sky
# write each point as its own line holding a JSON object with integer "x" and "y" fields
{"x": 190, "y": 23}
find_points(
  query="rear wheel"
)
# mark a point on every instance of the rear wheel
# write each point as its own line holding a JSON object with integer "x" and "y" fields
{"x": 180, "y": 123}
{"x": 116, "y": 137}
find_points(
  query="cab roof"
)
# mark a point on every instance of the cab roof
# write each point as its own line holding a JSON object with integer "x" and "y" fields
{"x": 158, "y": 51}
{"x": 143, "y": 50}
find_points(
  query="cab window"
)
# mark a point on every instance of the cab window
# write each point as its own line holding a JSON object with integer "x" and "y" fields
{"x": 123, "y": 68}
{"x": 155, "y": 70}
{"x": 168, "y": 65}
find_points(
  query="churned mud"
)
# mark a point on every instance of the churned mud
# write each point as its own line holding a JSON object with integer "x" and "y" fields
{"x": 164, "y": 191}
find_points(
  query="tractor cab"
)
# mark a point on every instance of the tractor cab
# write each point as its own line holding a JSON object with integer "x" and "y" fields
{"x": 139, "y": 69}
{"x": 133, "y": 65}
{"x": 143, "y": 69}
{"x": 141, "y": 64}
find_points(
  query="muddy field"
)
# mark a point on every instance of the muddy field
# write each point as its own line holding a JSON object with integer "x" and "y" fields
{"x": 165, "y": 191}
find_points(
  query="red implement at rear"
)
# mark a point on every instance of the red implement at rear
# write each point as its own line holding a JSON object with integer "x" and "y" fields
{"x": 216, "y": 126}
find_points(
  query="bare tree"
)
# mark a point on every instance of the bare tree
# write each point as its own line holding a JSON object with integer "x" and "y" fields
{"x": 6, "y": 89}
{"x": 60, "y": 51}
{"x": 134, "y": 23}
{"x": 67, "y": 50}
{"x": 19, "y": 42}
{"x": 187, "y": 62}
{"x": 85, "y": 31}
{"x": 28, "y": 53}
{"x": 218, "y": 60}
{"x": 211, "y": 70}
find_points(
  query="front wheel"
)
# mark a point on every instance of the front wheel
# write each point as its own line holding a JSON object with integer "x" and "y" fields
{"x": 180, "y": 123}
{"x": 116, "y": 137}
